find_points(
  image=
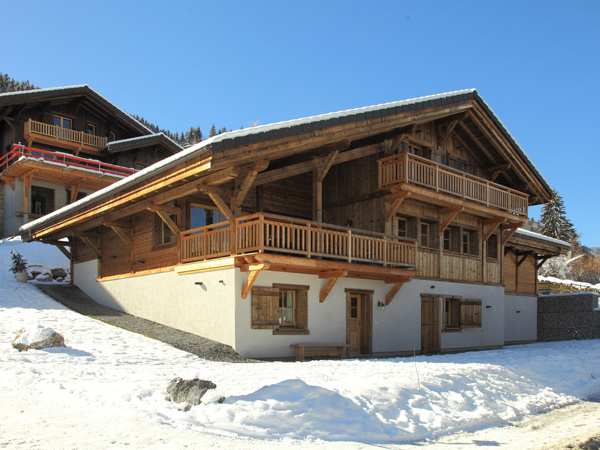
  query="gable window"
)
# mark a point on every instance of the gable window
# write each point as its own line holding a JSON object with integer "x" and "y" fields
{"x": 282, "y": 308}
{"x": 62, "y": 122}
{"x": 492, "y": 247}
{"x": 111, "y": 136}
{"x": 461, "y": 313}
{"x": 90, "y": 128}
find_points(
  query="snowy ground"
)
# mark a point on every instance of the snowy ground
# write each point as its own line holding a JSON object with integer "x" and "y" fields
{"x": 107, "y": 389}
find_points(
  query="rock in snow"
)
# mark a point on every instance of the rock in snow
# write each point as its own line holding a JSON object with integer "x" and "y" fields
{"x": 37, "y": 337}
{"x": 190, "y": 391}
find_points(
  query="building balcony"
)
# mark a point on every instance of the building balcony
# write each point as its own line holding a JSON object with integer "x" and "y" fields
{"x": 60, "y": 168}
{"x": 302, "y": 246}
{"x": 418, "y": 175}
{"x": 63, "y": 137}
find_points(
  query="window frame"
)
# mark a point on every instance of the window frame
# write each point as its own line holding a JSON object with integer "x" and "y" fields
{"x": 267, "y": 315}
{"x": 459, "y": 313}
{"x": 492, "y": 244}
{"x": 90, "y": 126}
{"x": 62, "y": 121}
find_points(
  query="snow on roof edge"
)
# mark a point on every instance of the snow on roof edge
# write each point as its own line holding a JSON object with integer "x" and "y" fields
{"x": 145, "y": 137}
{"x": 139, "y": 176}
{"x": 542, "y": 237}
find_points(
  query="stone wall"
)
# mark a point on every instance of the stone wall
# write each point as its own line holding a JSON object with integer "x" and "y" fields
{"x": 563, "y": 317}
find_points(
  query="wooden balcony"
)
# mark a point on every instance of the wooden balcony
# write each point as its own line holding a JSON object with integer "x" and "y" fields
{"x": 417, "y": 171}
{"x": 279, "y": 235}
{"x": 63, "y": 137}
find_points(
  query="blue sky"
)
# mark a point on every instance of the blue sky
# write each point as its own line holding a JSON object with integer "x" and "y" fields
{"x": 188, "y": 63}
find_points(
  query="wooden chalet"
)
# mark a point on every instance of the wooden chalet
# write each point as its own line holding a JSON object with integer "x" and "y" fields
{"x": 377, "y": 230}
{"x": 60, "y": 144}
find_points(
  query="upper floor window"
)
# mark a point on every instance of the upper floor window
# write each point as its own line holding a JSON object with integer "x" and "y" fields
{"x": 201, "y": 216}
{"x": 90, "y": 128}
{"x": 62, "y": 122}
{"x": 492, "y": 246}
{"x": 111, "y": 136}
{"x": 425, "y": 235}
{"x": 402, "y": 227}
{"x": 470, "y": 242}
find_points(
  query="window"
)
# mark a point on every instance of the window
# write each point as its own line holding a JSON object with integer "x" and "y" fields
{"x": 461, "y": 313}
{"x": 451, "y": 313}
{"x": 62, "y": 122}
{"x": 415, "y": 150}
{"x": 402, "y": 227}
{"x": 90, "y": 128}
{"x": 202, "y": 215}
{"x": 406, "y": 227}
{"x": 425, "y": 241}
{"x": 287, "y": 306}
{"x": 42, "y": 200}
{"x": 282, "y": 308}
{"x": 111, "y": 136}
{"x": 163, "y": 234}
{"x": 492, "y": 246}
{"x": 451, "y": 242}
{"x": 470, "y": 242}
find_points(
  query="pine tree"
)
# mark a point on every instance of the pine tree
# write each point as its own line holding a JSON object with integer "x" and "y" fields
{"x": 554, "y": 220}
{"x": 213, "y": 131}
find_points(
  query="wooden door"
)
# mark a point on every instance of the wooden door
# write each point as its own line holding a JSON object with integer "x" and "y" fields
{"x": 430, "y": 325}
{"x": 358, "y": 323}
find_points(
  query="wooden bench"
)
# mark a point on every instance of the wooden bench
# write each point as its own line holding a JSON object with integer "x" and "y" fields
{"x": 308, "y": 351}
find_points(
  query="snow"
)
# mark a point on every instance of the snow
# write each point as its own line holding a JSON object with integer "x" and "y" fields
{"x": 108, "y": 387}
{"x": 541, "y": 237}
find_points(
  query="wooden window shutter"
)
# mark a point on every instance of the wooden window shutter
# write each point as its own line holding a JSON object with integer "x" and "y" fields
{"x": 470, "y": 313}
{"x": 265, "y": 307}
{"x": 302, "y": 309}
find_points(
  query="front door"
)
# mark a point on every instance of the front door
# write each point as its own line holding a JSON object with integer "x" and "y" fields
{"x": 430, "y": 325}
{"x": 358, "y": 323}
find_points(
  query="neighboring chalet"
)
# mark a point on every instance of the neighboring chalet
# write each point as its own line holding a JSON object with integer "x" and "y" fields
{"x": 384, "y": 229}
{"x": 61, "y": 144}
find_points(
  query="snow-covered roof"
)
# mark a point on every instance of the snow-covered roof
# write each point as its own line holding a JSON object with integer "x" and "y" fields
{"x": 541, "y": 237}
{"x": 140, "y": 141}
{"x": 284, "y": 129}
{"x": 8, "y": 98}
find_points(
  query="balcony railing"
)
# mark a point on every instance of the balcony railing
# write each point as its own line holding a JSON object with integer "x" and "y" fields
{"x": 19, "y": 152}
{"x": 264, "y": 233}
{"x": 408, "y": 168}
{"x": 64, "y": 134}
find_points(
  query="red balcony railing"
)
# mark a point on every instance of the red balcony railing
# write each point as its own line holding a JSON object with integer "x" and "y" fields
{"x": 21, "y": 153}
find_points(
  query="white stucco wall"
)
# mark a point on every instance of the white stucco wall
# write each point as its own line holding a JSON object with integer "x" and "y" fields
{"x": 168, "y": 298}
{"x": 216, "y": 310}
{"x": 520, "y": 319}
{"x": 396, "y": 328}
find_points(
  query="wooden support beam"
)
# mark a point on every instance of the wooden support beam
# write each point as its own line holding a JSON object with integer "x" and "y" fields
{"x": 252, "y": 277}
{"x": 9, "y": 180}
{"x": 541, "y": 261}
{"x": 126, "y": 225}
{"x": 449, "y": 129}
{"x": 119, "y": 232}
{"x": 476, "y": 141}
{"x": 491, "y": 225}
{"x": 74, "y": 191}
{"x": 87, "y": 241}
{"x": 447, "y": 215}
{"x": 164, "y": 208}
{"x": 334, "y": 277}
{"x": 324, "y": 167}
{"x": 524, "y": 257}
{"x": 168, "y": 222}
{"x": 216, "y": 196}
{"x": 397, "y": 285}
{"x": 497, "y": 168}
{"x": 512, "y": 228}
{"x": 27, "y": 180}
{"x": 396, "y": 203}
{"x": 396, "y": 142}
{"x": 63, "y": 250}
